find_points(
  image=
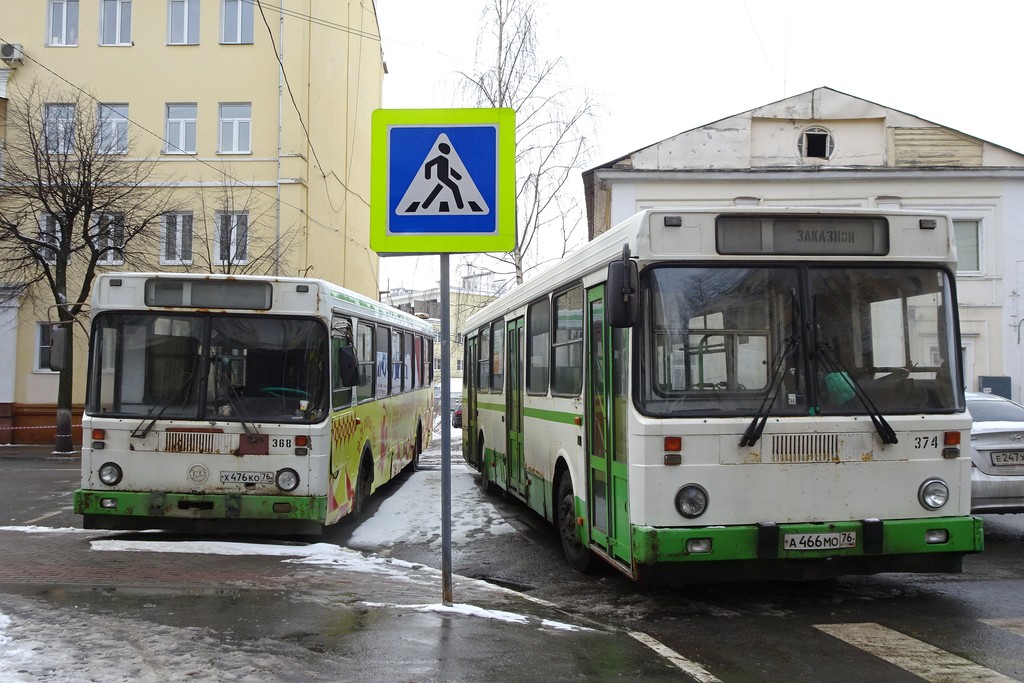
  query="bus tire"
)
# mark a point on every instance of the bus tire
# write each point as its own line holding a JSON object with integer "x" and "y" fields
{"x": 362, "y": 492}
{"x": 417, "y": 449}
{"x": 486, "y": 485}
{"x": 577, "y": 555}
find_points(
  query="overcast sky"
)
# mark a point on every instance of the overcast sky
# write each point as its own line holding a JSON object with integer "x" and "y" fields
{"x": 660, "y": 67}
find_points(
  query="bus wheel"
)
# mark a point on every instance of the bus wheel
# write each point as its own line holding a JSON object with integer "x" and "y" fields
{"x": 577, "y": 555}
{"x": 486, "y": 485}
{"x": 415, "y": 464}
{"x": 362, "y": 492}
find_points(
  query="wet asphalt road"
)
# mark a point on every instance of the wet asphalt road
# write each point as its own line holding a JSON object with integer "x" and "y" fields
{"x": 888, "y": 627}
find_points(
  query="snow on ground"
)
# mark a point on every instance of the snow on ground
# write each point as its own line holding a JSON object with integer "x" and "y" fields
{"x": 39, "y": 642}
{"x": 413, "y": 514}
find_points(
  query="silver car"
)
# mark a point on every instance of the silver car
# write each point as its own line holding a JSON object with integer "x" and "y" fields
{"x": 997, "y": 454}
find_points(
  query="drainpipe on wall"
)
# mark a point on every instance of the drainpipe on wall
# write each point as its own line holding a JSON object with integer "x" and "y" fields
{"x": 280, "y": 137}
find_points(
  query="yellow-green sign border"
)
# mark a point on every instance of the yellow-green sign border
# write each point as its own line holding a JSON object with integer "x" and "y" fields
{"x": 504, "y": 240}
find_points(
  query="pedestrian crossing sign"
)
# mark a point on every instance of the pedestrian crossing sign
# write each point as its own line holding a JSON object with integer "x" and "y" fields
{"x": 443, "y": 181}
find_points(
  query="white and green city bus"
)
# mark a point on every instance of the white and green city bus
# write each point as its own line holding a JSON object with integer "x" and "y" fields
{"x": 705, "y": 394}
{"x": 231, "y": 403}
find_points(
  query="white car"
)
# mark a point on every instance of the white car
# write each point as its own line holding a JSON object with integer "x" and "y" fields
{"x": 997, "y": 454}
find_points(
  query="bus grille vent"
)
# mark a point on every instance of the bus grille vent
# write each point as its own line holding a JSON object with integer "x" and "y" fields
{"x": 789, "y": 448}
{"x": 198, "y": 442}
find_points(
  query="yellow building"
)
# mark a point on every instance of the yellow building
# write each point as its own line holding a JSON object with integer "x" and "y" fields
{"x": 255, "y": 118}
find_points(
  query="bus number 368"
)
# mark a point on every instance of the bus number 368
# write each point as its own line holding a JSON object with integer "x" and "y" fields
{"x": 281, "y": 443}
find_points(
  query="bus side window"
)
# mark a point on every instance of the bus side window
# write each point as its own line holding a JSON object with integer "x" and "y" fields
{"x": 383, "y": 346}
{"x": 366, "y": 362}
{"x": 397, "y": 377}
{"x": 538, "y": 347}
{"x": 567, "y": 368}
{"x": 408, "y": 380}
{"x": 483, "y": 379}
{"x": 498, "y": 356}
{"x": 342, "y": 363}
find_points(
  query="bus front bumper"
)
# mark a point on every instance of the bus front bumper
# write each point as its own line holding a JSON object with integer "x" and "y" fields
{"x": 865, "y": 541}
{"x": 143, "y": 510}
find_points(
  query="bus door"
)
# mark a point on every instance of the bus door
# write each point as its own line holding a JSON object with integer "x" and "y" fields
{"x": 606, "y": 431}
{"x": 470, "y": 428}
{"x": 514, "y": 405}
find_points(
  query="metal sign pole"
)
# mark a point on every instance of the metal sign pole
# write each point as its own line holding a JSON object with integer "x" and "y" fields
{"x": 446, "y": 439}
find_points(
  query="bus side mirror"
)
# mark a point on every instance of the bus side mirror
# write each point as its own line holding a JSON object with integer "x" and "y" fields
{"x": 348, "y": 369}
{"x": 58, "y": 346}
{"x": 621, "y": 300}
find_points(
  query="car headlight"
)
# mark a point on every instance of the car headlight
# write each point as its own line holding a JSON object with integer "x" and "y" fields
{"x": 110, "y": 474}
{"x": 933, "y": 494}
{"x": 287, "y": 479}
{"x": 691, "y": 501}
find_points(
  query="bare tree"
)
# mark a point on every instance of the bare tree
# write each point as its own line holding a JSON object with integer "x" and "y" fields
{"x": 232, "y": 234}
{"x": 551, "y": 146}
{"x": 73, "y": 199}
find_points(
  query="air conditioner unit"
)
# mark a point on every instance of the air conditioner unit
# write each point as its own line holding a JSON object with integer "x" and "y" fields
{"x": 11, "y": 53}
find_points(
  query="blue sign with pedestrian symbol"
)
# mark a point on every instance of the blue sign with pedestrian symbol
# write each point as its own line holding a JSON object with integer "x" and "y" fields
{"x": 443, "y": 181}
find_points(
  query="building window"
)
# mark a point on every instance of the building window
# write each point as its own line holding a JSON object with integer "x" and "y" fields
{"x": 235, "y": 128}
{"x": 63, "y": 22}
{"x": 59, "y": 128}
{"x": 43, "y": 345}
{"x": 181, "y": 129}
{"x": 232, "y": 237}
{"x": 113, "y": 129}
{"x": 816, "y": 143}
{"x": 176, "y": 241}
{"x": 236, "y": 21}
{"x": 968, "y": 246}
{"x": 116, "y": 22}
{"x": 49, "y": 234}
{"x": 108, "y": 238}
{"x": 183, "y": 22}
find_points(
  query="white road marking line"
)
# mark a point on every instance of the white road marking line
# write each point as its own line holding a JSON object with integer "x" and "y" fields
{"x": 46, "y": 516}
{"x": 910, "y": 654}
{"x": 692, "y": 668}
{"x": 1011, "y": 625}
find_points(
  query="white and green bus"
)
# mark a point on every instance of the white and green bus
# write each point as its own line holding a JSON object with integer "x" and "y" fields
{"x": 705, "y": 394}
{"x": 246, "y": 404}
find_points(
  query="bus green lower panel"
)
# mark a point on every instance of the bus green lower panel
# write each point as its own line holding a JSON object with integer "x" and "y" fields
{"x": 200, "y": 507}
{"x": 653, "y": 545}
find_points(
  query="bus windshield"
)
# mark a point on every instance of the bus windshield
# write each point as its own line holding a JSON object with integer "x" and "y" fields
{"x": 204, "y": 367}
{"x": 797, "y": 340}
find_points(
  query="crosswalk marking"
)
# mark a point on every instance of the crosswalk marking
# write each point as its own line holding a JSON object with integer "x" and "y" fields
{"x": 910, "y": 654}
{"x": 696, "y": 671}
{"x": 1011, "y": 625}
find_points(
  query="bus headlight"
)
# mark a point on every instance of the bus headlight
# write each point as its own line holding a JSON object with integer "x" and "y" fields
{"x": 287, "y": 480}
{"x": 692, "y": 501}
{"x": 110, "y": 474}
{"x": 933, "y": 494}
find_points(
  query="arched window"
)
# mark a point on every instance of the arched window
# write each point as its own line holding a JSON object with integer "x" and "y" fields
{"x": 816, "y": 143}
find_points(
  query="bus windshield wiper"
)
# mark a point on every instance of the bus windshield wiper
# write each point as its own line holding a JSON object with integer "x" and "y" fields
{"x": 171, "y": 398}
{"x": 139, "y": 432}
{"x": 237, "y": 406}
{"x": 756, "y": 425}
{"x": 833, "y": 364}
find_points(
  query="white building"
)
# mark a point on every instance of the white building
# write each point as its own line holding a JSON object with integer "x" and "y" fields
{"x": 826, "y": 148}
